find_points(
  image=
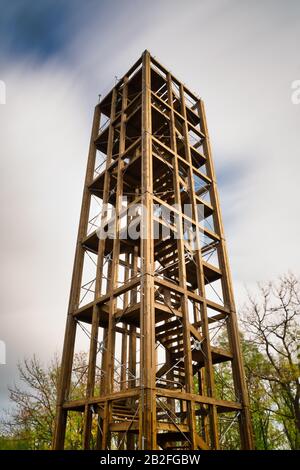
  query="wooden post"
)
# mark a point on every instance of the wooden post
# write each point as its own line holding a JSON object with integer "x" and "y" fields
{"x": 237, "y": 362}
{"x": 201, "y": 284}
{"x": 70, "y": 332}
{"x": 188, "y": 364}
{"x": 147, "y": 437}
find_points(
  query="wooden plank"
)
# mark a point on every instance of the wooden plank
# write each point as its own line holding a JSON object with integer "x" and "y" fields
{"x": 129, "y": 393}
{"x": 162, "y": 392}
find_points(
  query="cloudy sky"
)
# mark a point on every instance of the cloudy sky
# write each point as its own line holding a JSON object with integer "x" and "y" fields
{"x": 240, "y": 56}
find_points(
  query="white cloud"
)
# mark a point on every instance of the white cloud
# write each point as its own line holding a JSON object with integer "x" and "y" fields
{"x": 44, "y": 132}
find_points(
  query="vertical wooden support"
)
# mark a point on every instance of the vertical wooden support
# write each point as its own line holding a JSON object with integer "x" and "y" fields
{"x": 111, "y": 334}
{"x": 70, "y": 332}
{"x": 188, "y": 364}
{"x": 103, "y": 431}
{"x": 96, "y": 312}
{"x": 124, "y": 374}
{"x": 201, "y": 283}
{"x": 147, "y": 435}
{"x": 132, "y": 329}
{"x": 237, "y": 362}
{"x": 132, "y": 345}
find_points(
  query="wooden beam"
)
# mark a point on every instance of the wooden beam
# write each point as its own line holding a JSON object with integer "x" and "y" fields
{"x": 147, "y": 435}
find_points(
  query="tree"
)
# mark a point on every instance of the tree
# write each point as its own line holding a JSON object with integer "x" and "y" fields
{"x": 30, "y": 422}
{"x": 267, "y": 433}
{"x": 271, "y": 325}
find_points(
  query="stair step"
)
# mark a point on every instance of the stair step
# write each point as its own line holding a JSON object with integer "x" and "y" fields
{"x": 170, "y": 385}
{"x": 167, "y": 326}
{"x": 172, "y": 437}
{"x": 169, "y": 340}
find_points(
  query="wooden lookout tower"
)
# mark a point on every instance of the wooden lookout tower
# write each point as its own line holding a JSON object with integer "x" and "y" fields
{"x": 155, "y": 306}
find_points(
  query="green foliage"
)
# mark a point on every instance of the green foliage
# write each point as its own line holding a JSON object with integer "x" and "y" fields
{"x": 7, "y": 443}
